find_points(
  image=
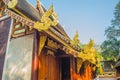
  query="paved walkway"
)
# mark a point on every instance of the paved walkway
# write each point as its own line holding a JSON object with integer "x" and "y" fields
{"x": 107, "y": 79}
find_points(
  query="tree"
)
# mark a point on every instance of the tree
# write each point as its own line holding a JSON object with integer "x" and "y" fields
{"x": 114, "y": 30}
{"x": 110, "y": 47}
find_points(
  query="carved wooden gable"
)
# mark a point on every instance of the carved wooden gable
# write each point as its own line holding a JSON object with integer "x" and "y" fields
{"x": 20, "y": 29}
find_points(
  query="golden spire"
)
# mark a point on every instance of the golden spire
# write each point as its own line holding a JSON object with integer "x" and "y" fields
{"x": 39, "y": 7}
{"x": 91, "y": 43}
{"x": 75, "y": 40}
{"x": 76, "y": 36}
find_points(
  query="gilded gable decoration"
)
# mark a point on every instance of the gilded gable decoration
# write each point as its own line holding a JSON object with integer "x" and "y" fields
{"x": 75, "y": 40}
{"x": 20, "y": 29}
{"x": 41, "y": 43}
{"x": 52, "y": 44}
{"x": 12, "y": 3}
{"x": 45, "y": 22}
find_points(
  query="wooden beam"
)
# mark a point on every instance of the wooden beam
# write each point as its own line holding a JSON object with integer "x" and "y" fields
{"x": 35, "y": 59}
{"x": 64, "y": 56}
{"x": 4, "y": 18}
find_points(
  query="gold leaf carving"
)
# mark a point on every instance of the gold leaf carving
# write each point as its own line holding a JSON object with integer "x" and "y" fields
{"x": 42, "y": 43}
{"x": 75, "y": 41}
{"x": 46, "y": 21}
{"x": 53, "y": 44}
{"x": 12, "y": 3}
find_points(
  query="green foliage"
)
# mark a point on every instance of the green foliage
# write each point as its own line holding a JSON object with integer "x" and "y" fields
{"x": 99, "y": 56}
{"x": 81, "y": 45}
{"x": 113, "y": 31}
{"x": 110, "y": 47}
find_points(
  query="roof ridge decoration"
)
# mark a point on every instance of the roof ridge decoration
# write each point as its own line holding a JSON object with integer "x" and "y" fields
{"x": 75, "y": 40}
{"x": 89, "y": 52}
{"x": 39, "y": 7}
{"x": 46, "y": 22}
{"x": 12, "y": 3}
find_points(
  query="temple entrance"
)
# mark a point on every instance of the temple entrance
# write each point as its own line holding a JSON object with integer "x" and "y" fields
{"x": 65, "y": 68}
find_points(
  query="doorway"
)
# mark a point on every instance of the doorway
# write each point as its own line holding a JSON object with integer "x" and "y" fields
{"x": 65, "y": 68}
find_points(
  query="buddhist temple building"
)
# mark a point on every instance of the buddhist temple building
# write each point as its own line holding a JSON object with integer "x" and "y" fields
{"x": 34, "y": 46}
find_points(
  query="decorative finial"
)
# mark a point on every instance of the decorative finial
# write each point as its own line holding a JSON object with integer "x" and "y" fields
{"x": 75, "y": 40}
{"x": 39, "y": 7}
{"x": 37, "y": 0}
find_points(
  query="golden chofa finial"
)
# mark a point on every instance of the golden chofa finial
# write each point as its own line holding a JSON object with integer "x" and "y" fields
{"x": 12, "y": 3}
{"x": 37, "y": 1}
{"x": 46, "y": 22}
{"x": 39, "y": 7}
{"x": 75, "y": 40}
{"x": 91, "y": 43}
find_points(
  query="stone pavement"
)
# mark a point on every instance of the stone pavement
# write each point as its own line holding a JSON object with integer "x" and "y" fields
{"x": 107, "y": 79}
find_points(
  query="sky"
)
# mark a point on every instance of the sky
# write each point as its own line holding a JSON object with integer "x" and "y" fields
{"x": 89, "y": 17}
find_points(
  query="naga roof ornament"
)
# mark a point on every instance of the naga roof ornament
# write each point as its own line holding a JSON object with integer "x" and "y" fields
{"x": 46, "y": 22}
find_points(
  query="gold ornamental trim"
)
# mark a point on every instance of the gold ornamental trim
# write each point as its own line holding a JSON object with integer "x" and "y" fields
{"x": 19, "y": 18}
{"x": 45, "y": 22}
{"x": 53, "y": 44}
{"x": 41, "y": 43}
{"x": 12, "y": 3}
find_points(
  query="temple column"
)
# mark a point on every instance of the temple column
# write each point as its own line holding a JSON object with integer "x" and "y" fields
{"x": 35, "y": 58}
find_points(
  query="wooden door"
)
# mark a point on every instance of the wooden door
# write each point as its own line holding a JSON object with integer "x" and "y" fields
{"x": 49, "y": 67}
{"x": 65, "y": 68}
{"x": 73, "y": 67}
